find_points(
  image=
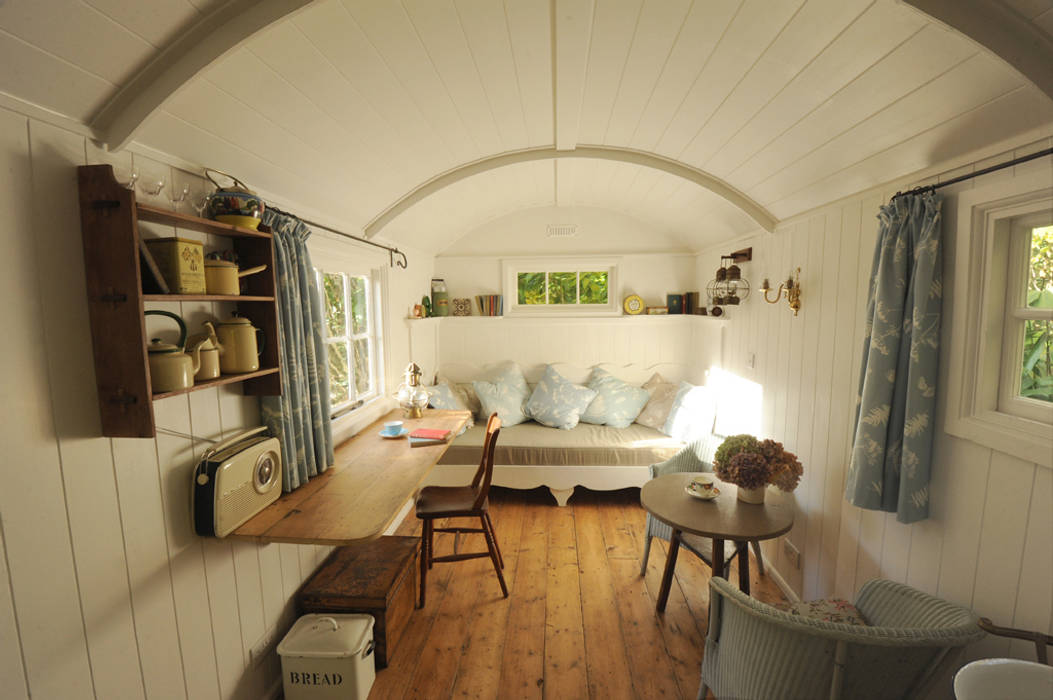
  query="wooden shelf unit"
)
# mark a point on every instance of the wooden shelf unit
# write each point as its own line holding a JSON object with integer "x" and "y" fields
{"x": 110, "y": 229}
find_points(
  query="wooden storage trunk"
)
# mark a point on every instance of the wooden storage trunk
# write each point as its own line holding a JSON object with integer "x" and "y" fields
{"x": 378, "y": 578}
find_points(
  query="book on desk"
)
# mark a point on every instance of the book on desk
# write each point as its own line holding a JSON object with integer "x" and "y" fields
{"x": 424, "y": 437}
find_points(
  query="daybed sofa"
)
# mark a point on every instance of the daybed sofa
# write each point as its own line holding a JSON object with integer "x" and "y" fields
{"x": 529, "y": 455}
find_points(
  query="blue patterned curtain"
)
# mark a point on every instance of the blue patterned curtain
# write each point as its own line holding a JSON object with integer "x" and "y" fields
{"x": 300, "y": 416}
{"x": 897, "y": 388}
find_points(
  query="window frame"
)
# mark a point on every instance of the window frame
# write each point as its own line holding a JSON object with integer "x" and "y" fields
{"x": 1016, "y": 314}
{"x": 350, "y": 337}
{"x": 979, "y": 407}
{"x": 512, "y": 267}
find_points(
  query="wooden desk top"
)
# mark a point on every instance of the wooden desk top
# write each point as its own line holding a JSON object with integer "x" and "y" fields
{"x": 359, "y": 496}
{"x": 725, "y": 517}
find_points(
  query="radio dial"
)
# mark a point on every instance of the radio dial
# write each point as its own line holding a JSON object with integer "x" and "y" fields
{"x": 265, "y": 472}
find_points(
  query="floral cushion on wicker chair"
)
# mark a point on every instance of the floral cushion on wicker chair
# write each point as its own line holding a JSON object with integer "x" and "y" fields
{"x": 827, "y": 610}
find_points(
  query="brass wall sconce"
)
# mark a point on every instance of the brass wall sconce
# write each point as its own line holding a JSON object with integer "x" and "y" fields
{"x": 792, "y": 289}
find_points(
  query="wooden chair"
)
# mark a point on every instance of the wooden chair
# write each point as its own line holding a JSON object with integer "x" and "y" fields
{"x": 436, "y": 502}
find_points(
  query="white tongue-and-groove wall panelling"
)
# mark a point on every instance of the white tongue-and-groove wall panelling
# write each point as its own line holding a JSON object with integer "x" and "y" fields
{"x": 986, "y": 543}
{"x": 105, "y": 592}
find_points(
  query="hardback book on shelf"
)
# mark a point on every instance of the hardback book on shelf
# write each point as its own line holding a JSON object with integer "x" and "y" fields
{"x": 490, "y": 304}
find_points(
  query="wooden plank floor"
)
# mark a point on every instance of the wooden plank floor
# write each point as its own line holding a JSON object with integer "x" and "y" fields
{"x": 579, "y": 621}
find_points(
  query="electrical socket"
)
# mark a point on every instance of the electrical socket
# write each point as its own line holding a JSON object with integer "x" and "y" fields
{"x": 792, "y": 553}
{"x": 264, "y": 646}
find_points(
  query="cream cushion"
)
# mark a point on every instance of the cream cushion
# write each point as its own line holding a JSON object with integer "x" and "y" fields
{"x": 656, "y": 412}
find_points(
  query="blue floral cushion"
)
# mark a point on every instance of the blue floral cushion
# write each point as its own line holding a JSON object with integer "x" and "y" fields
{"x": 557, "y": 402}
{"x": 446, "y": 396}
{"x": 692, "y": 414}
{"x": 617, "y": 404}
{"x": 504, "y": 394}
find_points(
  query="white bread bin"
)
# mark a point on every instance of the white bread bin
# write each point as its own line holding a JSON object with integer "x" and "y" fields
{"x": 328, "y": 657}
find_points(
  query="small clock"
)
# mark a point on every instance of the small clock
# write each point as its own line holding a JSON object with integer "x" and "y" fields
{"x": 633, "y": 305}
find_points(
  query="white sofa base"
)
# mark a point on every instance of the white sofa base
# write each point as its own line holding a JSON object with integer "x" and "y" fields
{"x": 559, "y": 480}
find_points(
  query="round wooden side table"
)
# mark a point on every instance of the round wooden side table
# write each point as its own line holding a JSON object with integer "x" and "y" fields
{"x": 723, "y": 518}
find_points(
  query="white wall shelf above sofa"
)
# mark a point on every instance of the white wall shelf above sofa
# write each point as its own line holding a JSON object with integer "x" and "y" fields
{"x": 556, "y": 319}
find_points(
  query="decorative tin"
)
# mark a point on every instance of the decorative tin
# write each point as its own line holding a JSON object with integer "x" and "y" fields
{"x": 461, "y": 307}
{"x": 181, "y": 262}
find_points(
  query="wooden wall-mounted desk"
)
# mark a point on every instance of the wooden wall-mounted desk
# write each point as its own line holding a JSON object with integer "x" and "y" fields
{"x": 359, "y": 496}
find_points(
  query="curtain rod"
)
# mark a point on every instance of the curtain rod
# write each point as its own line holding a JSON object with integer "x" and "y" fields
{"x": 392, "y": 252}
{"x": 978, "y": 173}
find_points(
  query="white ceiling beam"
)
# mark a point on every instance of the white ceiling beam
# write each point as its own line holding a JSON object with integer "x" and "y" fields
{"x": 572, "y": 30}
{"x": 207, "y": 41}
{"x": 755, "y": 211}
{"x": 999, "y": 29}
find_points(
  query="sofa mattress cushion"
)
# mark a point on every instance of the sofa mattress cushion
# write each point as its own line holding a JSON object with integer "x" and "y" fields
{"x": 531, "y": 444}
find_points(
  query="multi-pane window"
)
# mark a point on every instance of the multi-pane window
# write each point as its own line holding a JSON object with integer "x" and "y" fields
{"x": 583, "y": 286}
{"x": 350, "y": 336}
{"x": 1027, "y": 375}
{"x": 999, "y": 392}
{"x": 570, "y": 287}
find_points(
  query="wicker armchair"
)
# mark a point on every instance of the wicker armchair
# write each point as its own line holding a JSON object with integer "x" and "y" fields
{"x": 756, "y": 651}
{"x": 696, "y": 456}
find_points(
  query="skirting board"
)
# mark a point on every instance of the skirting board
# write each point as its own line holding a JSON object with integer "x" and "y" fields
{"x": 770, "y": 570}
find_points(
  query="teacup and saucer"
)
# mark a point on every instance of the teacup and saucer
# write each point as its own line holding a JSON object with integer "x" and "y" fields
{"x": 703, "y": 487}
{"x": 393, "y": 429}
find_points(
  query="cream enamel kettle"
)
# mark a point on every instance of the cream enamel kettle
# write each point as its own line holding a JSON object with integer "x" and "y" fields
{"x": 236, "y": 341}
{"x": 171, "y": 369}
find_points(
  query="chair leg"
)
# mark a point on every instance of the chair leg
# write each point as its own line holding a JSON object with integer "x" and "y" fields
{"x": 425, "y": 556}
{"x": 758, "y": 556}
{"x": 491, "y": 545}
{"x": 431, "y": 544}
{"x": 646, "y": 555}
{"x": 489, "y": 524}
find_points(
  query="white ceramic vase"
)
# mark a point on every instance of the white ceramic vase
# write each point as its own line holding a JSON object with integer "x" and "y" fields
{"x": 755, "y": 496}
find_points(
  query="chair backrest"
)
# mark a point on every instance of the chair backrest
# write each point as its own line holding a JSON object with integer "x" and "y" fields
{"x": 484, "y": 474}
{"x": 759, "y": 651}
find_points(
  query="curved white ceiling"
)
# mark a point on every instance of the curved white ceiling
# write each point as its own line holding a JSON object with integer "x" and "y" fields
{"x": 349, "y": 105}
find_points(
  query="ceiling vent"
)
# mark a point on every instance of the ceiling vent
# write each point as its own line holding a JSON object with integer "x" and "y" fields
{"x": 562, "y": 230}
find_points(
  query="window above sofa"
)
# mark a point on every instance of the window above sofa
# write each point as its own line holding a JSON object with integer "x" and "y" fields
{"x": 561, "y": 286}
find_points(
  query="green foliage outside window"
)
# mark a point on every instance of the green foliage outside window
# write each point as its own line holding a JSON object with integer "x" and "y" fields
{"x": 349, "y": 357}
{"x": 357, "y": 293}
{"x": 339, "y": 382}
{"x": 1036, "y": 379}
{"x": 562, "y": 287}
{"x": 531, "y": 288}
{"x": 593, "y": 288}
{"x": 539, "y": 288}
{"x": 335, "y": 316}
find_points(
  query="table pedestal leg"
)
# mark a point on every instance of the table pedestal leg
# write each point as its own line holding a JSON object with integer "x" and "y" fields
{"x": 667, "y": 575}
{"x": 743, "y": 549}
{"x": 718, "y": 557}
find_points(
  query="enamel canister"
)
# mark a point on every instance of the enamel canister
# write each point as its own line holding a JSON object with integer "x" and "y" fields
{"x": 328, "y": 656}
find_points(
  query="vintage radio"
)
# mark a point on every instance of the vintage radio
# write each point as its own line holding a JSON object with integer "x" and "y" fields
{"x": 235, "y": 480}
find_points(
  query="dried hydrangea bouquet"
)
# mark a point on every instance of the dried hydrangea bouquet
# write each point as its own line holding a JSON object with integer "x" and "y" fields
{"x": 752, "y": 464}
